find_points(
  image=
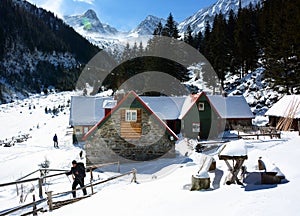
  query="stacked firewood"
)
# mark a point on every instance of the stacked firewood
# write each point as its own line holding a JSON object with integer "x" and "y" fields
{"x": 286, "y": 121}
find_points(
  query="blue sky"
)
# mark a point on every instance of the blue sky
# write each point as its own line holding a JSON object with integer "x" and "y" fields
{"x": 125, "y": 15}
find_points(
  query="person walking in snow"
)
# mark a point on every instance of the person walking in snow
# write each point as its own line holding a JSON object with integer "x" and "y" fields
{"x": 55, "y": 141}
{"x": 78, "y": 173}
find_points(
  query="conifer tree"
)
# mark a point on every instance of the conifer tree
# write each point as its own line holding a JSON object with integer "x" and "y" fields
{"x": 198, "y": 42}
{"x": 158, "y": 29}
{"x": 188, "y": 37}
{"x": 170, "y": 28}
{"x": 282, "y": 47}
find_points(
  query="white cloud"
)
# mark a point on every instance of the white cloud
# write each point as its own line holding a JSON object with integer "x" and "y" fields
{"x": 86, "y": 1}
{"x": 54, "y": 6}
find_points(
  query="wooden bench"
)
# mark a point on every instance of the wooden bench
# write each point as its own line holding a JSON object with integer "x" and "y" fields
{"x": 274, "y": 176}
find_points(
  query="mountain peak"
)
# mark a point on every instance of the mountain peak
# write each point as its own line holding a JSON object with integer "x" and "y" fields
{"x": 89, "y": 22}
{"x": 197, "y": 21}
{"x": 91, "y": 14}
{"x": 147, "y": 26}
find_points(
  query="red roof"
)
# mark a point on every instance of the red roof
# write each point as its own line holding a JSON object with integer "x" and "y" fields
{"x": 163, "y": 124}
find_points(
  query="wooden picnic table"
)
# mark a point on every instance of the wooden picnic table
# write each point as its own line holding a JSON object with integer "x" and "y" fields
{"x": 237, "y": 153}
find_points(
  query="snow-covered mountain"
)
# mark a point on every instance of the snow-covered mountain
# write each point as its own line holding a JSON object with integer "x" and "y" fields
{"x": 197, "y": 21}
{"x": 89, "y": 22}
{"x": 107, "y": 37}
{"x": 147, "y": 26}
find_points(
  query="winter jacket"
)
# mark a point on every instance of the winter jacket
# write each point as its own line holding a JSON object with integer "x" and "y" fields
{"x": 78, "y": 171}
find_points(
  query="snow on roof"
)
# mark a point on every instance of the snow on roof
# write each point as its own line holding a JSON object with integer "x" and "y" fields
{"x": 166, "y": 108}
{"x": 90, "y": 110}
{"x": 231, "y": 107}
{"x": 188, "y": 103}
{"x": 287, "y": 105}
{"x": 87, "y": 110}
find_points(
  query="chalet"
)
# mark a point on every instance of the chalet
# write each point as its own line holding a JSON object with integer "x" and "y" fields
{"x": 285, "y": 114}
{"x": 130, "y": 131}
{"x": 206, "y": 116}
{"x": 132, "y": 127}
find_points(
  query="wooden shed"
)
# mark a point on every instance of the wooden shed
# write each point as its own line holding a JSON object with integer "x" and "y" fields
{"x": 285, "y": 113}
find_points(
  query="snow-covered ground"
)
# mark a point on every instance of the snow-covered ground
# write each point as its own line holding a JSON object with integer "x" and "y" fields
{"x": 163, "y": 185}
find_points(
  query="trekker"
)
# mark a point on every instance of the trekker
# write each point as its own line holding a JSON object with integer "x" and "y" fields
{"x": 78, "y": 173}
{"x": 55, "y": 141}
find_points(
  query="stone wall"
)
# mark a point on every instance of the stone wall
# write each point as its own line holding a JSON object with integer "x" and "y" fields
{"x": 106, "y": 144}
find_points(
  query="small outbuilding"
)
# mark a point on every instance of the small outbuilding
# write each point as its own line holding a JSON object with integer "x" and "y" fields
{"x": 285, "y": 113}
{"x": 206, "y": 116}
{"x": 86, "y": 111}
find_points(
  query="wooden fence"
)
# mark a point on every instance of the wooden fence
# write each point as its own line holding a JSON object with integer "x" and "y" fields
{"x": 54, "y": 205}
{"x": 271, "y": 135}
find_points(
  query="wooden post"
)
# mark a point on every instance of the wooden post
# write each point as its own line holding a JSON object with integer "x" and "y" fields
{"x": 34, "y": 212}
{"x": 91, "y": 174}
{"x": 200, "y": 183}
{"x": 91, "y": 180}
{"x": 40, "y": 187}
{"x": 50, "y": 204}
{"x": 17, "y": 189}
{"x": 92, "y": 188}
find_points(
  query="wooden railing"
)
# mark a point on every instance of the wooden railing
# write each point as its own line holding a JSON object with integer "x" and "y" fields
{"x": 239, "y": 136}
{"x": 53, "y": 205}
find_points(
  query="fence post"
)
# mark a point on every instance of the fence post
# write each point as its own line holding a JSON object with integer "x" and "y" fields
{"x": 50, "y": 204}
{"x": 91, "y": 181}
{"x": 34, "y": 206}
{"x": 92, "y": 188}
{"x": 40, "y": 187}
{"x": 91, "y": 173}
{"x": 134, "y": 175}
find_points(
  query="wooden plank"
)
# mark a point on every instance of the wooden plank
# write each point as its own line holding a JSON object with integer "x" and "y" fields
{"x": 226, "y": 157}
{"x": 131, "y": 125}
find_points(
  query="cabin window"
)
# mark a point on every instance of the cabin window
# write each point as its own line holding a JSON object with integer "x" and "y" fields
{"x": 131, "y": 115}
{"x": 196, "y": 127}
{"x": 201, "y": 106}
{"x": 85, "y": 130}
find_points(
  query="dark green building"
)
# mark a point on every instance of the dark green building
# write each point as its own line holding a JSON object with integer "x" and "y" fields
{"x": 207, "y": 116}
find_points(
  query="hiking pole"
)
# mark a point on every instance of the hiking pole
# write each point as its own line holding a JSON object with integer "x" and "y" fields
{"x": 69, "y": 179}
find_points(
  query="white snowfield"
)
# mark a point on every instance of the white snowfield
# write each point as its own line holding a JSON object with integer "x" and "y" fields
{"x": 163, "y": 185}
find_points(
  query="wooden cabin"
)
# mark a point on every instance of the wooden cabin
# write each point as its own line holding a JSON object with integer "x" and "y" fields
{"x": 130, "y": 132}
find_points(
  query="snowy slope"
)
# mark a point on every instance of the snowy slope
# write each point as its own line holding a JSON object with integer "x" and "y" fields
{"x": 197, "y": 21}
{"x": 164, "y": 184}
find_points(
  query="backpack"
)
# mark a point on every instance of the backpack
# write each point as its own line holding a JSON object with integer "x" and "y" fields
{"x": 81, "y": 169}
